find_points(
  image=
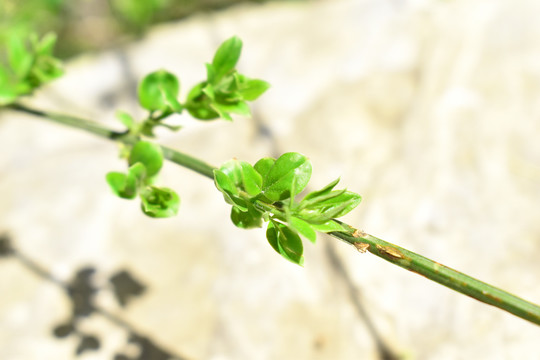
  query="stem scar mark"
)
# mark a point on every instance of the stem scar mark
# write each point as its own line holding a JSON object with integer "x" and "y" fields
{"x": 390, "y": 251}
{"x": 362, "y": 247}
{"x": 358, "y": 233}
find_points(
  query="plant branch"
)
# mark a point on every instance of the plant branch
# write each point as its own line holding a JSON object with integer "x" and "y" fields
{"x": 362, "y": 241}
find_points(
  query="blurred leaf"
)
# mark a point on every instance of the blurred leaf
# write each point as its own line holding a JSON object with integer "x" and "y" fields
{"x": 20, "y": 58}
{"x": 148, "y": 154}
{"x": 250, "y": 89}
{"x": 224, "y": 109}
{"x": 159, "y": 202}
{"x": 159, "y": 91}
{"x": 46, "y": 45}
{"x": 125, "y": 186}
{"x": 125, "y": 119}
{"x": 226, "y": 57}
{"x": 198, "y": 103}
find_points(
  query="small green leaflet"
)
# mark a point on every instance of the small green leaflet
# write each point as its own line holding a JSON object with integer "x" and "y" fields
{"x": 226, "y": 57}
{"x": 159, "y": 202}
{"x": 148, "y": 154}
{"x": 286, "y": 242}
{"x": 159, "y": 91}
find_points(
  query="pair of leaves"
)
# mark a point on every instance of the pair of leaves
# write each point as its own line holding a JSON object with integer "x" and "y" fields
{"x": 225, "y": 91}
{"x": 30, "y": 64}
{"x": 145, "y": 160}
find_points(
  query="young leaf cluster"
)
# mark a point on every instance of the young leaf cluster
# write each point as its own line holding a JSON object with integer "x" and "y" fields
{"x": 267, "y": 192}
{"x": 145, "y": 160}
{"x": 224, "y": 92}
{"x": 30, "y": 64}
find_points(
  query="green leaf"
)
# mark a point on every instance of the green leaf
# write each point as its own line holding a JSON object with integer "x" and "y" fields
{"x": 224, "y": 109}
{"x": 119, "y": 184}
{"x": 303, "y": 228}
{"x": 337, "y": 206}
{"x": 149, "y": 154}
{"x": 125, "y": 186}
{"x": 288, "y": 167}
{"x": 46, "y": 45}
{"x": 229, "y": 180}
{"x": 234, "y": 176}
{"x": 8, "y": 92}
{"x": 125, "y": 119}
{"x": 329, "y": 226}
{"x": 224, "y": 182}
{"x": 159, "y": 202}
{"x": 198, "y": 103}
{"x": 290, "y": 245}
{"x": 159, "y": 91}
{"x": 226, "y": 57}
{"x": 272, "y": 236}
{"x": 251, "y": 179}
{"x": 253, "y": 89}
{"x": 246, "y": 219}
{"x": 286, "y": 242}
{"x": 45, "y": 69}
{"x": 20, "y": 58}
{"x": 323, "y": 191}
{"x": 264, "y": 165}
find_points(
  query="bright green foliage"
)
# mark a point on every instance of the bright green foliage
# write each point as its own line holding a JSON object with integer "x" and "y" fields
{"x": 148, "y": 154}
{"x": 137, "y": 14}
{"x": 30, "y": 65}
{"x": 225, "y": 91}
{"x": 267, "y": 190}
{"x": 159, "y": 91}
{"x": 286, "y": 242}
{"x": 287, "y": 177}
{"x": 126, "y": 185}
{"x": 225, "y": 58}
{"x": 145, "y": 160}
{"x": 159, "y": 202}
{"x": 251, "y": 218}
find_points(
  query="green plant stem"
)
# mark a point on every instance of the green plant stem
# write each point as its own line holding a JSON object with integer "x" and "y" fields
{"x": 363, "y": 242}
{"x": 97, "y": 129}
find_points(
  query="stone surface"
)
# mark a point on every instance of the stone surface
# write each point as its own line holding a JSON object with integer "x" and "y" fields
{"x": 427, "y": 109}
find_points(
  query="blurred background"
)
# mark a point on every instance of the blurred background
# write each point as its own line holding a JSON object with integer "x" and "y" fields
{"x": 429, "y": 109}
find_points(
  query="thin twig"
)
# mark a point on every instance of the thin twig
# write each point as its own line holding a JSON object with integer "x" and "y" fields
{"x": 363, "y": 242}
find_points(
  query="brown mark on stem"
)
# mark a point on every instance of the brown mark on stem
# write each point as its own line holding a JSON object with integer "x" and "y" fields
{"x": 362, "y": 247}
{"x": 390, "y": 251}
{"x": 358, "y": 234}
